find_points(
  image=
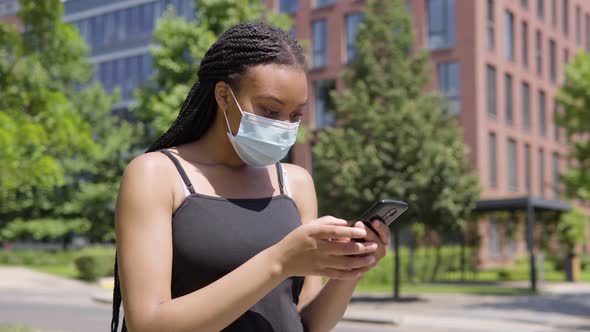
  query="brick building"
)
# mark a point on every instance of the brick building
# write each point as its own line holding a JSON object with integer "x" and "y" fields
{"x": 499, "y": 63}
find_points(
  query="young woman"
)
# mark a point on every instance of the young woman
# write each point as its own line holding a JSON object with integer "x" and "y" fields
{"x": 213, "y": 233}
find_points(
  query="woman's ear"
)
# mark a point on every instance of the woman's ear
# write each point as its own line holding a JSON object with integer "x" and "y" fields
{"x": 222, "y": 95}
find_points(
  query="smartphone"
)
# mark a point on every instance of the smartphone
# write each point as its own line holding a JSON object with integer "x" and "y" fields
{"x": 385, "y": 210}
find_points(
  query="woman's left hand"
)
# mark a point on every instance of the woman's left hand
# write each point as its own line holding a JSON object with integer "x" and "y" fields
{"x": 381, "y": 238}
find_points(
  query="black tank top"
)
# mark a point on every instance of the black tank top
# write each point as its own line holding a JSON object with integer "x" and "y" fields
{"x": 212, "y": 236}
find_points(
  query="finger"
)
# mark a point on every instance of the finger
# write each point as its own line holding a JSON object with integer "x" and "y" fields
{"x": 372, "y": 235}
{"x": 346, "y": 248}
{"x": 341, "y": 274}
{"x": 348, "y": 262}
{"x": 337, "y": 232}
{"x": 329, "y": 220}
{"x": 382, "y": 231}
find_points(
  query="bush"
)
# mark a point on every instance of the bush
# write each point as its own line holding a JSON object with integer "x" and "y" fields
{"x": 93, "y": 266}
{"x": 504, "y": 275}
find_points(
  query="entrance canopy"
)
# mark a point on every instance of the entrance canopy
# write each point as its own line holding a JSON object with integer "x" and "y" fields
{"x": 530, "y": 205}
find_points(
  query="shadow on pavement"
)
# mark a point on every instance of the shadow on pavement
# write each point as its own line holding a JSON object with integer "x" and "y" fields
{"x": 565, "y": 304}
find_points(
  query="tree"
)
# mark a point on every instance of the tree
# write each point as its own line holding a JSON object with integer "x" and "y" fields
{"x": 56, "y": 130}
{"x": 393, "y": 140}
{"x": 574, "y": 98}
{"x": 178, "y": 47}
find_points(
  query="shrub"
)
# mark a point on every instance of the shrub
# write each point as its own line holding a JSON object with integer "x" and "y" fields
{"x": 93, "y": 266}
{"x": 504, "y": 275}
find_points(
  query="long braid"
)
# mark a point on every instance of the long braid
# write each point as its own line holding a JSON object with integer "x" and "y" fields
{"x": 237, "y": 49}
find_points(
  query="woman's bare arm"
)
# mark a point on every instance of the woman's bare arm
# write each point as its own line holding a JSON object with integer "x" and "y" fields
{"x": 144, "y": 243}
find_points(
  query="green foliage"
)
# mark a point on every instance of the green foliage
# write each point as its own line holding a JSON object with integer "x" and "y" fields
{"x": 63, "y": 150}
{"x": 179, "y": 46}
{"x": 394, "y": 141}
{"x": 43, "y": 229}
{"x": 92, "y": 267}
{"x": 572, "y": 229}
{"x": 574, "y": 97}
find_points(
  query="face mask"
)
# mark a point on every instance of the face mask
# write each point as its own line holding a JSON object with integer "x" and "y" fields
{"x": 261, "y": 141}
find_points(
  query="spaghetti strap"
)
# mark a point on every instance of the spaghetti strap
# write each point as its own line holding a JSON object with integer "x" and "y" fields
{"x": 185, "y": 178}
{"x": 280, "y": 176}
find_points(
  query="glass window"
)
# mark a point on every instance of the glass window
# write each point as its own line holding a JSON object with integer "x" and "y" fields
{"x": 555, "y": 171}
{"x": 493, "y": 238}
{"x": 509, "y": 37}
{"x": 148, "y": 19}
{"x": 555, "y": 126}
{"x": 508, "y": 98}
{"x": 125, "y": 21}
{"x": 552, "y": 61}
{"x": 323, "y": 103}
{"x": 490, "y": 27}
{"x": 566, "y": 56}
{"x": 512, "y": 166}
{"x": 540, "y": 8}
{"x": 542, "y": 114}
{"x": 146, "y": 67}
{"x": 587, "y": 33}
{"x": 524, "y": 3}
{"x": 538, "y": 54}
{"x": 109, "y": 34}
{"x": 527, "y": 168}
{"x": 119, "y": 74}
{"x": 441, "y": 24}
{"x": 288, "y": 6}
{"x": 578, "y": 25}
{"x": 493, "y": 176}
{"x": 134, "y": 22}
{"x": 449, "y": 85}
{"x": 566, "y": 16}
{"x": 491, "y": 89}
{"x": 526, "y": 106}
{"x": 554, "y": 13}
{"x": 541, "y": 173}
{"x": 525, "y": 44}
{"x": 320, "y": 41}
{"x": 352, "y": 23}
{"x": 320, "y": 3}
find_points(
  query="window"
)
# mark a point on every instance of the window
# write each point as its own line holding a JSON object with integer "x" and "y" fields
{"x": 587, "y": 33}
{"x": 566, "y": 14}
{"x": 526, "y": 106}
{"x": 538, "y": 54}
{"x": 552, "y": 63}
{"x": 120, "y": 22}
{"x": 542, "y": 114}
{"x": 109, "y": 28}
{"x": 321, "y": 3}
{"x": 524, "y": 3}
{"x": 525, "y": 44}
{"x": 554, "y": 13}
{"x": 508, "y": 98}
{"x": 578, "y": 25}
{"x": 449, "y": 84}
{"x": 493, "y": 238}
{"x": 441, "y": 24}
{"x": 491, "y": 88}
{"x": 527, "y": 168}
{"x": 352, "y": 23}
{"x": 490, "y": 27}
{"x": 493, "y": 160}
{"x": 566, "y": 57}
{"x": 540, "y": 9}
{"x": 512, "y": 166}
{"x": 148, "y": 19}
{"x": 509, "y": 36}
{"x": 555, "y": 173}
{"x": 541, "y": 173}
{"x": 320, "y": 41}
{"x": 288, "y": 6}
{"x": 323, "y": 103}
{"x": 555, "y": 125}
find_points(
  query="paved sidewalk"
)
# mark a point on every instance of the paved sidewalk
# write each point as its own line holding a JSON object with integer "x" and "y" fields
{"x": 562, "y": 307}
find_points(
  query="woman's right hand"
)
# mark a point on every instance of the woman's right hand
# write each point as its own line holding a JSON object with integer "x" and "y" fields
{"x": 323, "y": 248}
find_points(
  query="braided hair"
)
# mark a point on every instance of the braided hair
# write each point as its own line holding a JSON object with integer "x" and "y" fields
{"x": 237, "y": 49}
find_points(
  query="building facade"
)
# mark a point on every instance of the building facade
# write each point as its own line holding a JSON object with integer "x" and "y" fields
{"x": 498, "y": 62}
{"x": 118, "y": 33}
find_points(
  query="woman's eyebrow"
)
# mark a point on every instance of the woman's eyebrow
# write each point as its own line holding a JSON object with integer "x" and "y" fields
{"x": 278, "y": 100}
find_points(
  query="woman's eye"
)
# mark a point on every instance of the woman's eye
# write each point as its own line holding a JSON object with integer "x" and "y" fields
{"x": 270, "y": 112}
{"x": 296, "y": 116}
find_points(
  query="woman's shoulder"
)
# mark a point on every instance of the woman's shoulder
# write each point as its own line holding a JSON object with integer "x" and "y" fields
{"x": 149, "y": 169}
{"x": 297, "y": 174}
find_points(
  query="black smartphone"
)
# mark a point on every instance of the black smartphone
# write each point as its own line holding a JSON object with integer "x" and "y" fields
{"x": 385, "y": 210}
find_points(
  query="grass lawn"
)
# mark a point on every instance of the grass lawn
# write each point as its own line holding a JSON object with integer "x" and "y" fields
{"x": 467, "y": 288}
{"x": 16, "y": 328}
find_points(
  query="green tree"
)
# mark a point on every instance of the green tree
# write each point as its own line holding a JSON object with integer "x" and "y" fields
{"x": 574, "y": 97}
{"x": 393, "y": 140}
{"x": 58, "y": 136}
{"x": 178, "y": 47}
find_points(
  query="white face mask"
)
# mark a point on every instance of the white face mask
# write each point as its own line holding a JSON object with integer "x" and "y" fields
{"x": 261, "y": 141}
